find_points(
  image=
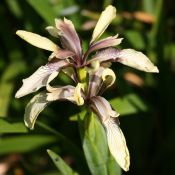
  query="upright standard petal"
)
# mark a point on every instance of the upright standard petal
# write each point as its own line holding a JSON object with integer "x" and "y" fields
{"x": 105, "y": 19}
{"x": 37, "y": 40}
{"x": 69, "y": 37}
{"x": 33, "y": 109}
{"x": 40, "y": 77}
{"x": 129, "y": 57}
{"x": 104, "y": 43}
{"x": 117, "y": 144}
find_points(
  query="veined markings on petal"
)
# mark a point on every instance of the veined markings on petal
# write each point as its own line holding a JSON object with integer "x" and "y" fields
{"x": 108, "y": 76}
{"x": 104, "y": 43}
{"x": 69, "y": 37}
{"x": 78, "y": 95}
{"x": 62, "y": 93}
{"x": 94, "y": 81}
{"x": 129, "y": 57}
{"x": 40, "y": 77}
{"x": 33, "y": 108}
{"x": 61, "y": 54}
{"x": 117, "y": 144}
{"x": 137, "y": 60}
{"x": 105, "y": 19}
{"x": 106, "y": 55}
{"x": 102, "y": 109}
{"x": 37, "y": 40}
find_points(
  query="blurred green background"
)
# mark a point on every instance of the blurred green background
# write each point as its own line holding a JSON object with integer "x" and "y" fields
{"x": 145, "y": 101}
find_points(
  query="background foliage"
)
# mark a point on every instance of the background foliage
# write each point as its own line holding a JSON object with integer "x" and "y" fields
{"x": 145, "y": 101}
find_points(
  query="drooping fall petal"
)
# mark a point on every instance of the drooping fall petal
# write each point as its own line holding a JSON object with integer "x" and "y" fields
{"x": 101, "y": 107}
{"x": 68, "y": 35}
{"x": 41, "y": 100}
{"x": 40, "y": 77}
{"x": 129, "y": 57}
{"x": 137, "y": 60}
{"x": 37, "y": 40}
{"x": 117, "y": 144}
{"x": 105, "y": 19}
{"x": 33, "y": 108}
{"x": 116, "y": 140}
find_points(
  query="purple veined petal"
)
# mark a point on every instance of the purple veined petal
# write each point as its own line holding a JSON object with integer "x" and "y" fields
{"x": 33, "y": 109}
{"x": 137, "y": 60}
{"x": 100, "y": 80}
{"x": 61, "y": 54}
{"x": 129, "y": 57}
{"x": 101, "y": 107}
{"x": 69, "y": 37}
{"x": 95, "y": 81}
{"x": 104, "y": 43}
{"x": 106, "y": 55}
{"x": 43, "y": 99}
{"x": 116, "y": 140}
{"x": 62, "y": 93}
{"x": 40, "y": 77}
{"x": 117, "y": 144}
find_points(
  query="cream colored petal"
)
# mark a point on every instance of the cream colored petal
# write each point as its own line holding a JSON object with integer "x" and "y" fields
{"x": 136, "y": 60}
{"x": 51, "y": 77}
{"x": 53, "y": 31}
{"x": 108, "y": 77}
{"x": 105, "y": 19}
{"x": 37, "y": 80}
{"x": 78, "y": 96}
{"x": 117, "y": 144}
{"x": 37, "y": 40}
{"x": 33, "y": 109}
{"x": 62, "y": 93}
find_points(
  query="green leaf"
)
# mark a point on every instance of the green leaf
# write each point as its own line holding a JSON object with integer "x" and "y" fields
{"x": 95, "y": 146}
{"x": 5, "y": 95}
{"x": 16, "y": 127}
{"x": 44, "y": 9}
{"x": 25, "y": 143}
{"x": 129, "y": 104}
{"x": 6, "y": 85}
{"x": 135, "y": 38}
{"x": 60, "y": 164}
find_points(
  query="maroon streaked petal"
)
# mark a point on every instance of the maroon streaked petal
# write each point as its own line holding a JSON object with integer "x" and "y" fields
{"x": 69, "y": 37}
{"x": 104, "y": 43}
{"x": 61, "y": 54}
{"x": 129, "y": 57}
{"x": 40, "y": 77}
{"x": 43, "y": 99}
{"x": 101, "y": 107}
{"x": 106, "y": 55}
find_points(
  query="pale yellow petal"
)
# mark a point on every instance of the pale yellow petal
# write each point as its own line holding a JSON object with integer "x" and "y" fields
{"x": 117, "y": 144}
{"x": 33, "y": 109}
{"x": 37, "y": 40}
{"x": 78, "y": 97}
{"x": 105, "y": 19}
{"x": 137, "y": 60}
{"x": 108, "y": 77}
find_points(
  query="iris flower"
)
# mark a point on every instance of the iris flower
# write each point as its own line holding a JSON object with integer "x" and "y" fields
{"x": 91, "y": 74}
